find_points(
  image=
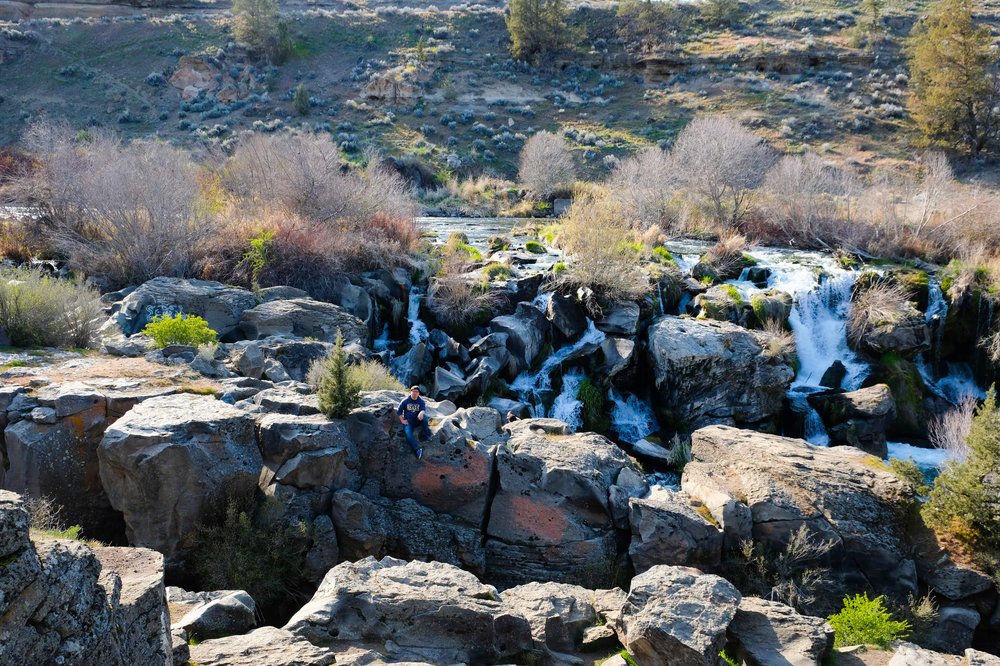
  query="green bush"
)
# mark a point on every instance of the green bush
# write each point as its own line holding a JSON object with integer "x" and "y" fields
{"x": 963, "y": 500}
{"x": 534, "y": 247}
{"x": 497, "y": 271}
{"x": 864, "y": 621}
{"x": 559, "y": 267}
{"x": 595, "y": 409}
{"x": 338, "y": 392}
{"x": 253, "y": 549}
{"x": 180, "y": 329}
{"x": 300, "y": 102}
{"x": 661, "y": 255}
{"x": 37, "y": 310}
{"x": 907, "y": 471}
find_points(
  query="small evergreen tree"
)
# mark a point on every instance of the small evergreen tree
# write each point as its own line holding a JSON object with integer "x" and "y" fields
{"x": 536, "y": 27}
{"x": 301, "y": 100}
{"x": 338, "y": 393}
{"x": 256, "y": 23}
{"x": 965, "y": 500}
{"x": 954, "y": 90}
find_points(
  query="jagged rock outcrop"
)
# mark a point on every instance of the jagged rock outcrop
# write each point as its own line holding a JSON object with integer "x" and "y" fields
{"x": 219, "y": 305}
{"x": 667, "y": 529}
{"x": 526, "y": 332}
{"x": 677, "y": 615}
{"x": 171, "y": 463}
{"x": 552, "y": 517}
{"x": 766, "y": 487}
{"x": 430, "y": 611}
{"x": 304, "y": 318}
{"x": 708, "y": 372}
{"x": 857, "y": 418}
{"x": 63, "y": 602}
{"x": 772, "y": 634}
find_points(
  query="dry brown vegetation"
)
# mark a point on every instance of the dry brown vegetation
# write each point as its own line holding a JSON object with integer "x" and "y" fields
{"x": 882, "y": 302}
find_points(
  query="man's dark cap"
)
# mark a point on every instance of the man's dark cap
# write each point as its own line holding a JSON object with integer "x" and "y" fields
{"x": 414, "y": 388}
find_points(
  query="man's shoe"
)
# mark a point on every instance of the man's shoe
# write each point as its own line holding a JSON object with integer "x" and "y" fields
{"x": 420, "y": 454}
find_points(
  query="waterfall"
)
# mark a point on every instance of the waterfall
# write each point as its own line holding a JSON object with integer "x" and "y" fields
{"x": 936, "y": 317}
{"x": 686, "y": 261}
{"x": 819, "y": 321}
{"x": 382, "y": 342}
{"x": 567, "y": 407}
{"x": 418, "y": 329}
{"x": 632, "y": 418}
{"x": 532, "y": 387}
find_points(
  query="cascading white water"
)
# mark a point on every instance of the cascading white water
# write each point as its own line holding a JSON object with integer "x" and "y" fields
{"x": 819, "y": 321}
{"x": 532, "y": 387}
{"x": 567, "y": 407}
{"x": 382, "y": 342}
{"x": 686, "y": 261}
{"x": 631, "y": 417}
{"x": 418, "y": 329}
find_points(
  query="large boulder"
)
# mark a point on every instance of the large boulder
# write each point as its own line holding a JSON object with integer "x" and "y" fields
{"x": 558, "y": 613}
{"x": 219, "y": 305}
{"x": 772, "y": 634}
{"x": 231, "y": 614}
{"x": 63, "y": 603}
{"x": 303, "y": 318}
{"x": 552, "y": 517}
{"x": 722, "y": 303}
{"x": 619, "y": 319}
{"x": 172, "y": 463}
{"x": 414, "y": 365}
{"x": 267, "y": 645}
{"x": 709, "y": 372}
{"x": 668, "y": 529}
{"x": 906, "y": 334}
{"x": 53, "y": 454}
{"x": 526, "y": 331}
{"x": 840, "y": 495}
{"x": 857, "y": 418}
{"x": 376, "y": 527}
{"x": 308, "y": 452}
{"x": 567, "y": 315}
{"x": 677, "y": 615}
{"x": 429, "y": 610}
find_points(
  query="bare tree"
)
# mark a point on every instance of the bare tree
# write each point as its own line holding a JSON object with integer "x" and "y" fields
{"x": 721, "y": 163}
{"x": 644, "y": 185}
{"x": 936, "y": 188}
{"x": 305, "y": 176}
{"x": 807, "y": 198}
{"x": 546, "y": 165}
{"x": 950, "y": 430}
{"x": 123, "y": 213}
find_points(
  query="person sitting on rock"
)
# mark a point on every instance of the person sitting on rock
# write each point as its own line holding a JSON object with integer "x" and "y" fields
{"x": 413, "y": 415}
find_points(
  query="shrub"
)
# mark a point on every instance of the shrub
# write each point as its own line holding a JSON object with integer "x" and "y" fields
{"x": 546, "y": 165}
{"x": 300, "y": 101}
{"x": 256, "y": 24}
{"x": 864, "y": 621}
{"x": 534, "y": 247}
{"x": 950, "y": 430}
{"x": 179, "y": 329}
{"x": 908, "y": 472}
{"x": 793, "y": 576}
{"x": 37, "y": 310}
{"x": 369, "y": 375}
{"x": 303, "y": 176}
{"x": 882, "y": 302}
{"x": 457, "y": 302}
{"x": 721, "y": 13}
{"x": 338, "y": 393}
{"x": 252, "y": 549}
{"x": 121, "y": 213}
{"x": 457, "y": 246}
{"x": 597, "y": 240}
{"x": 963, "y": 500}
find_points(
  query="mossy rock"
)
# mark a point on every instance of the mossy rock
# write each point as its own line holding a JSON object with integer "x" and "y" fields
{"x": 908, "y": 390}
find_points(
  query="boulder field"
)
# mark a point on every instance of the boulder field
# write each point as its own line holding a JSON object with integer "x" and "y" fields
{"x": 508, "y": 542}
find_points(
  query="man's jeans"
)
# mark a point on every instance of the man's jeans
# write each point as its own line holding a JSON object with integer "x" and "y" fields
{"x": 413, "y": 430}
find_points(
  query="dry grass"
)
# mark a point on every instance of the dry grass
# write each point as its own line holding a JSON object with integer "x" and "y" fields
{"x": 780, "y": 341}
{"x": 950, "y": 431}
{"x": 603, "y": 251}
{"x": 881, "y": 303}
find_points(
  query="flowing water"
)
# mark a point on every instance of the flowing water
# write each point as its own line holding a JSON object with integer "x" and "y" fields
{"x": 534, "y": 388}
{"x": 632, "y": 418}
{"x": 418, "y": 329}
{"x": 566, "y": 407}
